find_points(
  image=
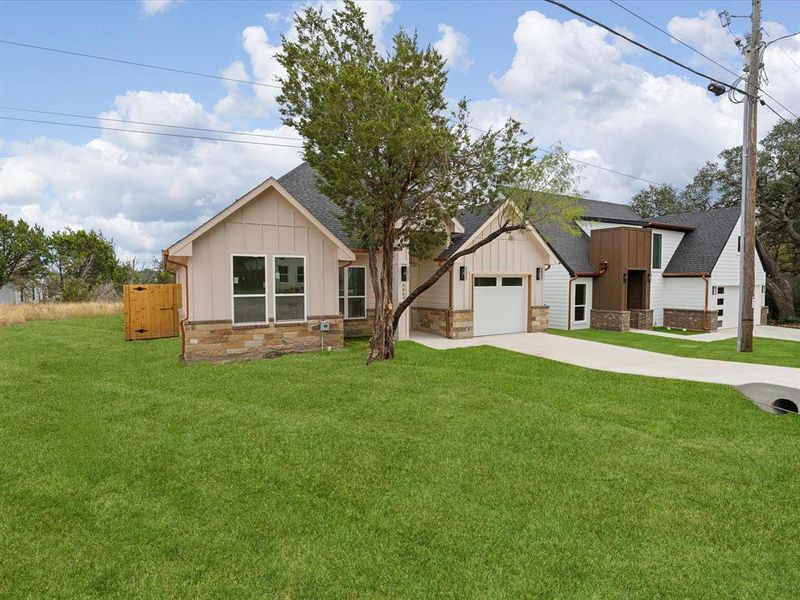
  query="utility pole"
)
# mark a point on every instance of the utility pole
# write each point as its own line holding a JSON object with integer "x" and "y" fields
{"x": 748, "y": 219}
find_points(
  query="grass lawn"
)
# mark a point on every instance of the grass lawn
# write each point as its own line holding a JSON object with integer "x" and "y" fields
{"x": 766, "y": 351}
{"x": 678, "y": 331}
{"x": 468, "y": 473}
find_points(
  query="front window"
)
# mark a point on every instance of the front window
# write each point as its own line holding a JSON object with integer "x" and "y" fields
{"x": 249, "y": 289}
{"x": 579, "y": 311}
{"x": 290, "y": 288}
{"x": 353, "y": 292}
{"x": 657, "y": 250}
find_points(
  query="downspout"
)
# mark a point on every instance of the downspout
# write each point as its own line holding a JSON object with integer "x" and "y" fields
{"x": 448, "y": 323}
{"x": 705, "y": 304}
{"x": 182, "y": 323}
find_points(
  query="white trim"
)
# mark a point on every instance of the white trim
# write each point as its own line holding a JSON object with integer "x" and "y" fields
{"x": 576, "y": 305}
{"x": 176, "y": 248}
{"x": 265, "y": 294}
{"x": 346, "y": 296}
{"x": 275, "y": 293}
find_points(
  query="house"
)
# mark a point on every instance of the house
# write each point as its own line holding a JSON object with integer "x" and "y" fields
{"x": 623, "y": 271}
{"x": 274, "y": 272}
{"x": 9, "y": 294}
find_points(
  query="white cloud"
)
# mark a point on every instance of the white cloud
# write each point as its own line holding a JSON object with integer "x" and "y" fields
{"x": 272, "y": 17}
{"x": 570, "y": 82}
{"x": 453, "y": 47}
{"x": 153, "y": 7}
{"x": 144, "y": 194}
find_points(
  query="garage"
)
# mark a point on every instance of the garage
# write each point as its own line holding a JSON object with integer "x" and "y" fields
{"x": 500, "y": 304}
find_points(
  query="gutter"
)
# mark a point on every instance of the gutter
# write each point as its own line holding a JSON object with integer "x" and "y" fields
{"x": 182, "y": 323}
{"x": 448, "y": 321}
{"x": 603, "y": 269}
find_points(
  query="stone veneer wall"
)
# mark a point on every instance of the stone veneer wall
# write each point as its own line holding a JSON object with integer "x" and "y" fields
{"x": 221, "y": 340}
{"x": 440, "y": 321}
{"x": 612, "y": 320}
{"x": 684, "y": 318}
{"x": 641, "y": 318}
{"x": 461, "y": 324}
{"x": 540, "y": 318}
{"x": 360, "y": 327}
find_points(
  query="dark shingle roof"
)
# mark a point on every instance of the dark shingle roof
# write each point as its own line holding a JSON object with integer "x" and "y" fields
{"x": 699, "y": 249}
{"x": 607, "y": 211}
{"x": 471, "y": 222}
{"x": 299, "y": 182}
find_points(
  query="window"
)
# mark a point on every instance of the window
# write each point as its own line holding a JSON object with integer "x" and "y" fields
{"x": 657, "y": 250}
{"x": 719, "y": 323}
{"x": 713, "y": 290}
{"x": 720, "y": 301}
{"x": 249, "y": 289}
{"x": 512, "y": 282}
{"x": 485, "y": 281}
{"x": 720, "y": 290}
{"x": 290, "y": 288}
{"x": 720, "y": 312}
{"x": 353, "y": 295}
{"x": 579, "y": 311}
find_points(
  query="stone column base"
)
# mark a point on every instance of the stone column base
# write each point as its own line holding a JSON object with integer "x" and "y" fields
{"x": 641, "y": 318}
{"x": 454, "y": 324}
{"x": 611, "y": 320}
{"x": 540, "y": 318}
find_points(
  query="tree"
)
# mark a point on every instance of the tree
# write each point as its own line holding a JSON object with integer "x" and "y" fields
{"x": 23, "y": 250}
{"x": 390, "y": 156}
{"x": 82, "y": 260}
{"x": 657, "y": 200}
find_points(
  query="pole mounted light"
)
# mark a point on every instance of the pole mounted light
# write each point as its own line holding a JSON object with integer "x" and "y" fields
{"x": 716, "y": 88}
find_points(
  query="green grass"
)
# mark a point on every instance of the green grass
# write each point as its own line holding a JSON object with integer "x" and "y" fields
{"x": 468, "y": 473}
{"x": 678, "y": 331}
{"x": 766, "y": 351}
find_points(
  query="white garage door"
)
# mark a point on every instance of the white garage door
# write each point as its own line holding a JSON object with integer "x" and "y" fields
{"x": 728, "y": 305}
{"x": 500, "y": 305}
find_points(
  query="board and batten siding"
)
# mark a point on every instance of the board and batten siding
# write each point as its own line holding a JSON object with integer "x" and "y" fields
{"x": 669, "y": 243}
{"x": 436, "y": 296}
{"x": 516, "y": 253}
{"x": 726, "y": 271}
{"x": 267, "y": 225}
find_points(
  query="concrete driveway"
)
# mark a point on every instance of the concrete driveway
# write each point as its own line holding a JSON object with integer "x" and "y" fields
{"x": 607, "y": 357}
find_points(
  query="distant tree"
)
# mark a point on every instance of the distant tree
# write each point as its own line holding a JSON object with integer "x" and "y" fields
{"x": 133, "y": 272}
{"x": 391, "y": 156}
{"x": 81, "y": 261}
{"x": 656, "y": 200}
{"x": 23, "y": 251}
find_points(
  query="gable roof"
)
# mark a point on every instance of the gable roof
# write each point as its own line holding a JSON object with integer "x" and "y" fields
{"x": 471, "y": 221}
{"x": 183, "y": 246}
{"x": 300, "y": 183}
{"x": 700, "y": 249}
{"x": 598, "y": 210}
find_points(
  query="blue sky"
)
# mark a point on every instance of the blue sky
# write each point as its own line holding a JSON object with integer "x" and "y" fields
{"x": 606, "y": 102}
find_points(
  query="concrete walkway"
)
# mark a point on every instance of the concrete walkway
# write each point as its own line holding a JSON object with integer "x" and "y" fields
{"x": 760, "y": 331}
{"x": 617, "y": 359}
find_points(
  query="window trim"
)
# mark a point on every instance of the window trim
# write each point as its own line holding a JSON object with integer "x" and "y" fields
{"x": 660, "y": 252}
{"x": 265, "y": 294}
{"x": 575, "y": 302}
{"x": 275, "y": 293}
{"x": 346, "y": 296}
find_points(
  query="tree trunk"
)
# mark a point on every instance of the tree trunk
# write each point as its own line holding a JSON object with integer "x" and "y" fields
{"x": 381, "y": 268}
{"x": 780, "y": 288}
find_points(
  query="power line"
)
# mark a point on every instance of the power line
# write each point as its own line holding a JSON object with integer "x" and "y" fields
{"x": 660, "y": 55}
{"x": 77, "y": 116}
{"x": 138, "y": 64}
{"x": 178, "y": 135}
{"x": 693, "y": 49}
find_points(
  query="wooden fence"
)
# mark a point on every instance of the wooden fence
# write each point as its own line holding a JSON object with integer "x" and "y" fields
{"x": 151, "y": 311}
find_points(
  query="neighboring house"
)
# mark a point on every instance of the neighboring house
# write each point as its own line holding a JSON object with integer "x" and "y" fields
{"x": 625, "y": 272}
{"x": 274, "y": 272}
{"x": 9, "y": 294}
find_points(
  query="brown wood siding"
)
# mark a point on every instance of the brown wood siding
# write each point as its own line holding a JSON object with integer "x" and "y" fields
{"x": 624, "y": 249}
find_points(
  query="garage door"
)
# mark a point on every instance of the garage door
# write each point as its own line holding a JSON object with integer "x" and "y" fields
{"x": 500, "y": 305}
{"x": 727, "y": 306}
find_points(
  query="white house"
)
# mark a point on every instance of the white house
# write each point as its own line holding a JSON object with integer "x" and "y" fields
{"x": 689, "y": 280}
{"x": 9, "y": 294}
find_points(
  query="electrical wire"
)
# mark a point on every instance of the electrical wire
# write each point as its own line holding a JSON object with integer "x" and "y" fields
{"x": 162, "y": 133}
{"x": 77, "y": 116}
{"x": 138, "y": 64}
{"x": 661, "y": 55}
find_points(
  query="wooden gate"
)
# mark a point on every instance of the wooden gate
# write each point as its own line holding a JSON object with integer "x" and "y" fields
{"x": 151, "y": 311}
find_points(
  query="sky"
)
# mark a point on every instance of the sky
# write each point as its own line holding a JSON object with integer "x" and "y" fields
{"x": 569, "y": 82}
